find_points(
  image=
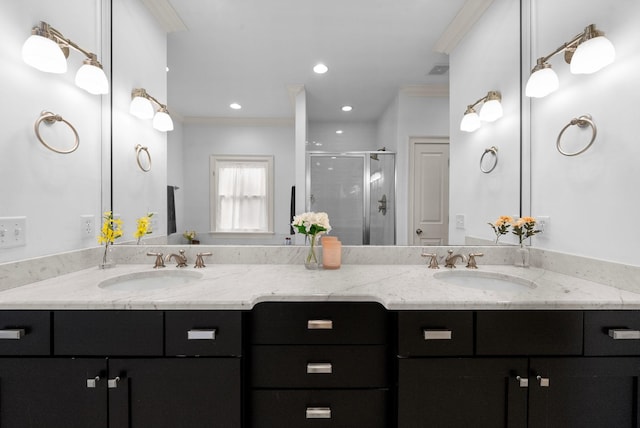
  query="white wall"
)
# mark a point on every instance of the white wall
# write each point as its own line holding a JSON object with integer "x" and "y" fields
{"x": 52, "y": 190}
{"x": 356, "y": 136}
{"x": 139, "y": 61}
{"x": 200, "y": 141}
{"x": 488, "y": 58}
{"x": 592, "y": 199}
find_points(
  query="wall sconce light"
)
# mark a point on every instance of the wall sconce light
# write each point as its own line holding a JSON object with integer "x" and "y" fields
{"x": 47, "y": 50}
{"x": 142, "y": 107}
{"x": 491, "y": 110}
{"x": 586, "y": 53}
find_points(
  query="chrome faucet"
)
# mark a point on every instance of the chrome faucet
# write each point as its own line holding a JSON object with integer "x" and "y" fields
{"x": 159, "y": 261}
{"x": 450, "y": 261}
{"x": 181, "y": 259}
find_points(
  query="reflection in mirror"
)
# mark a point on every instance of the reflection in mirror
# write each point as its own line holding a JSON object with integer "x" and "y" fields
{"x": 381, "y": 61}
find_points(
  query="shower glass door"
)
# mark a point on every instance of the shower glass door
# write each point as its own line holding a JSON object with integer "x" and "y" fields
{"x": 357, "y": 191}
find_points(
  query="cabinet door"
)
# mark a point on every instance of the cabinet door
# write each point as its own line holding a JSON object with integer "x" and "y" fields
{"x": 462, "y": 392}
{"x": 584, "y": 392}
{"x": 53, "y": 393}
{"x": 175, "y": 393}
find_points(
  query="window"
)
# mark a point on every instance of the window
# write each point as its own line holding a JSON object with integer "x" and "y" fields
{"x": 242, "y": 194}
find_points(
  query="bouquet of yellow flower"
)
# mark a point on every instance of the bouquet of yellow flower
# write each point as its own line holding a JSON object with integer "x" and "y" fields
{"x": 501, "y": 226}
{"x": 143, "y": 227}
{"x": 524, "y": 228}
{"x": 111, "y": 230}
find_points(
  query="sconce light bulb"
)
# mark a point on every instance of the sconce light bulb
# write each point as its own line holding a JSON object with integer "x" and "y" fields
{"x": 541, "y": 83}
{"x": 470, "y": 122}
{"x": 162, "y": 121}
{"x": 592, "y": 55}
{"x": 492, "y": 108}
{"x": 44, "y": 54}
{"x": 92, "y": 79}
{"x": 141, "y": 108}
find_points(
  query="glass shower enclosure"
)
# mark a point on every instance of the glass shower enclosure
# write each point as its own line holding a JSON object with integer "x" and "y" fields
{"x": 357, "y": 191}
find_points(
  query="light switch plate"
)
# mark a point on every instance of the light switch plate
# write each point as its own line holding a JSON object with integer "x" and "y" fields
{"x": 459, "y": 221}
{"x": 13, "y": 232}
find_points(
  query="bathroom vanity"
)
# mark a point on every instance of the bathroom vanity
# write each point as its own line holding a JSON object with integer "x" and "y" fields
{"x": 275, "y": 345}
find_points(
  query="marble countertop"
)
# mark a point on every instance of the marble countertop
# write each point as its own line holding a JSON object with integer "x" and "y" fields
{"x": 241, "y": 286}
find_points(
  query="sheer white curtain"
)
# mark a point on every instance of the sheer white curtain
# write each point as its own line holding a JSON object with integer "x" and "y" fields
{"x": 242, "y": 197}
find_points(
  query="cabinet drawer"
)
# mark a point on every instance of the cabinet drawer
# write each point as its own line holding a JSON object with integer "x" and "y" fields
{"x": 319, "y": 323}
{"x": 319, "y": 366}
{"x": 25, "y": 333}
{"x": 435, "y": 333}
{"x": 312, "y": 408}
{"x": 529, "y": 333}
{"x": 612, "y": 333}
{"x": 205, "y": 333}
{"x": 104, "y": 333}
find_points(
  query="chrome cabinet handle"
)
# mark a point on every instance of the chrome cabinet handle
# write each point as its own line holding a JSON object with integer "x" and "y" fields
{"x": 437, "y": 334}
{"x": 624, "y": 334}
{"x": 201, "y": 334}
{"x": 318, "y": 412}
{"x": 17, "y": 333}
{"x": 319, "y": 325}
{"x": 92, "y": 383}
{"x": 523, "y": 381}
{"x": 113, "y": 383}
{"x": 543, "y": 381}
{"x": 313, "y": 368}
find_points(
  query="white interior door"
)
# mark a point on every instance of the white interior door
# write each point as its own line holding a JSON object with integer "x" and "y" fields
{"x": 430, "y": 191}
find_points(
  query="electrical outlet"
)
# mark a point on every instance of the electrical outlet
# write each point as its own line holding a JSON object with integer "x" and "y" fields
{"x": 543, "y": 225}
{"x": 87, "y": 226}
{"x": 13, "y": 232}
{"x": 459, "y": 221}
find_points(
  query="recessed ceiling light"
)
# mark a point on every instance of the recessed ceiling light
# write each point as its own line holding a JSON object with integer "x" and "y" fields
{"x": 347, "y": 108}
{"x": 320, "y": 68}
{"x": 339, "y": 131}
{"x": 235, "y": 106}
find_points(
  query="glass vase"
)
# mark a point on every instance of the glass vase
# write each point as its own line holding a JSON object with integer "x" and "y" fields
{"x": 311, "y": 261}
{"x": 522, "y": 256}
{"x": 107, "y": 261}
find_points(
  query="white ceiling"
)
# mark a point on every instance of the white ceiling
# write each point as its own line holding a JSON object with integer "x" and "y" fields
{"x": 253, "y": 51}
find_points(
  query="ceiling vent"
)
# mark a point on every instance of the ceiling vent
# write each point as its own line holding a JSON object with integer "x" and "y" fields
{"x": 439, "y": 70}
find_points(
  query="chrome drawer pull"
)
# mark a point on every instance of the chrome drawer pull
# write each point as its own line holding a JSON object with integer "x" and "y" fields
{"x": 319, "y": 368}
{"x": 523, "y": 381}
{"x": 113, "y": 383}
{"x": 437, "y": 334}
{"x": 624, "y": 334}
{"x": 543, "y": 381}
{"x": 319, "y": 325}
{"x": 201, "y": 334}
{"x": 17, "y": 333}
{"x": 318, "y": 412}
{"x": 92, "y": 383}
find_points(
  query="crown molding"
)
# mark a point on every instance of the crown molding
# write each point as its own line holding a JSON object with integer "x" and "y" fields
{"x": 239, "y": 121}
{"x": 430, "y": 90}
{"x": 460, "y": 25}
{"x": 166, "y": 15}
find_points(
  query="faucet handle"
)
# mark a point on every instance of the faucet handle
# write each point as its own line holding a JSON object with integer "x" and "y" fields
{"x": 159, "y": 260}
{"x": 433, "y": 260}
{"x": 472, "y": 260}
{"x": 200, "y": 260}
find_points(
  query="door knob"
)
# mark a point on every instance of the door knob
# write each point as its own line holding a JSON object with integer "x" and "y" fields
{"x": 418, "y": 231}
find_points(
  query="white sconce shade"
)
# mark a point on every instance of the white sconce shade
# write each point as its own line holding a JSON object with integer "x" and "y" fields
{"x": 492, "y": 108}
{"x": 592, "y": 55}
{"x": 541, "y": 83}
{"x": 162, "y": 121}
{"x": 44, "y": 54}
{"x": 92, "y": 79}
{"x": 141, "y": 108}
{"x": 470, "y": 122}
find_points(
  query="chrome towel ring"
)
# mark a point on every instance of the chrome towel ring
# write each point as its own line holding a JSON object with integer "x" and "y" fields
{"x": 140, "y": 149}
{"x": 582, "y": 122}
{"x": 50, "y": 118}
{"x": 494, "y": 151}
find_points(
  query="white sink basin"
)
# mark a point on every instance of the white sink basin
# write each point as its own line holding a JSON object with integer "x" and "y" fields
{"x": 151, "y": 280}
{"x": 485, "y": 280}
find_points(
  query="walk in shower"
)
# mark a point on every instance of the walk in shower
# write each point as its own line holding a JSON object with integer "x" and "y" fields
{"x": 357, "y": 190}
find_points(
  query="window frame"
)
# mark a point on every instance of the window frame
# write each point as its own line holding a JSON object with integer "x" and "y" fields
{"x": 215, "y": 161}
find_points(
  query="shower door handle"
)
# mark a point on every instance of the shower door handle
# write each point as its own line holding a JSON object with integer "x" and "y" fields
{"x": 418, "y": 231}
